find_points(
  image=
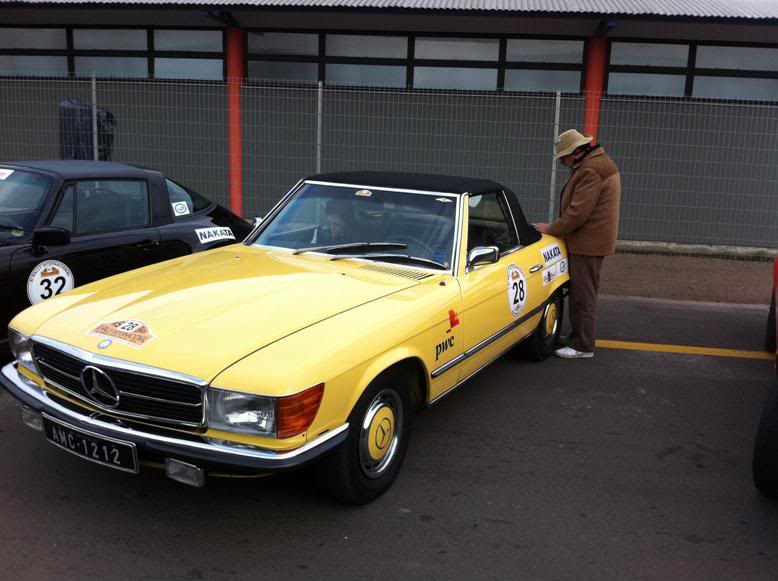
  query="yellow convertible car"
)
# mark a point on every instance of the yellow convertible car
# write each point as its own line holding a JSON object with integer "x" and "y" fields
{"x": 360, "y": 298}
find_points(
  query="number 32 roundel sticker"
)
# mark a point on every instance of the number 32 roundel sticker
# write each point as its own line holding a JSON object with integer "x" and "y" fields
{"x": 49, "y": 279}
{"x": 517, "y": 290}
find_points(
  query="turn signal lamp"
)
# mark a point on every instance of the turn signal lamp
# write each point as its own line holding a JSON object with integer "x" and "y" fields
{"x": 295, "y": 413}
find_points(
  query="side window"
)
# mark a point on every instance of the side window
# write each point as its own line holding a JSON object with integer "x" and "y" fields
{"x": 490, "y": 223}
{"x": 184, "y": 201}
{"x": 63, "y": 218}
{"x": 106, "y": 205}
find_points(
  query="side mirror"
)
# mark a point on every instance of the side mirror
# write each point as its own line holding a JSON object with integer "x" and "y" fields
{"x": 257, "y": 220}
{"x": 50, "y": 236}
{"x": 483, "y": 255}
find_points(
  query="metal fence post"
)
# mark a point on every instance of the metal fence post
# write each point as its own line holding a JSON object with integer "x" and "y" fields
{"x": 552, "y": 188}
{"x": 95, "y": 145}
{"x": 318, "y": 127}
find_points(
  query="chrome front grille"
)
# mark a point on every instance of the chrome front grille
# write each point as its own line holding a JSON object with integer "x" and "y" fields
{"x": 156, "y": 399}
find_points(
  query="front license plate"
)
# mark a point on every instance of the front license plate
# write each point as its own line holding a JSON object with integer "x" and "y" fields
{"x": 106, "y": 451}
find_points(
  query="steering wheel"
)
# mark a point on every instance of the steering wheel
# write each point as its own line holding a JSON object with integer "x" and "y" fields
{"x": 411, "y": 241}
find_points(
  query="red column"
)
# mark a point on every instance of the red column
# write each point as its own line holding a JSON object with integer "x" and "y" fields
{"x": 596, "y": 57}
{"x": 236, "y": 71}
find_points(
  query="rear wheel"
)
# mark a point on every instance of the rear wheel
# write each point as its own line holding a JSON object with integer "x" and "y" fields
{"x": 364, "y": 466}
{"x": 765, "y": 464}
{"x": 543, "y": 342}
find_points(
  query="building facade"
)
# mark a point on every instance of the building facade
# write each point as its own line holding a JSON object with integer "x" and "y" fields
{"x": 685, "y": 95}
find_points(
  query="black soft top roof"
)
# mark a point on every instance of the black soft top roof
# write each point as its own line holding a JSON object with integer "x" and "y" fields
{"x": 74, "y": 169}
{"x": 410, "y": 181}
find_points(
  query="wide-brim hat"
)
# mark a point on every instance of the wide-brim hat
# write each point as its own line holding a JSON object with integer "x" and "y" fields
{"x": 567, "y": 142}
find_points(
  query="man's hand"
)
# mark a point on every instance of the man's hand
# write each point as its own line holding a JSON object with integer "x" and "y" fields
{"x": 542, "y": 228}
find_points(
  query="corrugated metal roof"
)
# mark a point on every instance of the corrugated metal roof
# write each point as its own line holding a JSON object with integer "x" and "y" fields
{"x": 754, "y": 9}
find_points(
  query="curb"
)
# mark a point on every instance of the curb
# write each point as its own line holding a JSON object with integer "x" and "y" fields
{"x": 706, "y": 250}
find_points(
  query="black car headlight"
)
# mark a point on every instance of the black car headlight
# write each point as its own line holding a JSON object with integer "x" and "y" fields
{"x": 21, "y": 347}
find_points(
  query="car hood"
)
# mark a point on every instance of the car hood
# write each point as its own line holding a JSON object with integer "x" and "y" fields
{"x": 204, "y": 312}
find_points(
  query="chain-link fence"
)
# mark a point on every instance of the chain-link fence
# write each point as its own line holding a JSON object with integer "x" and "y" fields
{"x": 692, "y": 171}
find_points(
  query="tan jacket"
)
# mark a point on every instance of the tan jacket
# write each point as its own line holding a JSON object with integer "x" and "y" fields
{"x": 589, "y": 209}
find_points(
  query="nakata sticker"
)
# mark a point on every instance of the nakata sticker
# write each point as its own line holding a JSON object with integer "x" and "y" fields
{"x": 364, "y": 193}
{"x": 207, "y": 235}
{"x": 49, "y": 279}
{"x": 180, "y": 209}
{"x": 4, "y": 173}
{"x": 133, "y": 333}
{"x": 517, "y": 290}
{"x": 551, "y": 253}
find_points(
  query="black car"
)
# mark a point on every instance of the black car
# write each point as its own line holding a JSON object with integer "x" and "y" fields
{"x": 67, "y": 223}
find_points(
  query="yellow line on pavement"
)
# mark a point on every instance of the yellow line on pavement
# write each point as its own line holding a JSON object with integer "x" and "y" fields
{"x": 685, "y": 349}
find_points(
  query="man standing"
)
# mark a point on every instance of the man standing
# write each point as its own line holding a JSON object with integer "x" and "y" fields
{"x": 589, "y": 222}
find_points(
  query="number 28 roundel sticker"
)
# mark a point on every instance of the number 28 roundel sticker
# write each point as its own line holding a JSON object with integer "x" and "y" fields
{"x": 49, "y": 279}
{"x": 517, "y": 290}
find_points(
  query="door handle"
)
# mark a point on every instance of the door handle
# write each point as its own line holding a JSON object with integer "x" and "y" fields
{"x": 536, "y": 268}
{"x": 147, "y": 244}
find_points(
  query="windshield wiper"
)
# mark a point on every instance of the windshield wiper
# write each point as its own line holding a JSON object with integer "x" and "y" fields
{"x": 350, "y": 245}
{"x": 393, "y": 257}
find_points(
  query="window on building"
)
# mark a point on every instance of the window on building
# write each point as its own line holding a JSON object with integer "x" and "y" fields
{"x": 544, "y": 51}
{"x": 283, "y": 70}
{"x": 33, "y": 38}
{"x": 646, "y": 84}
{"x": 647, "y": 68}
{"x": 542, "y": 80}
{"x": 44, "y": 66}
{"x": 373, "y": 75}
{"x": 189, "y": 68}
{"x": 745, "y": 89}
{"x": 188, "y": 40}
{"x": 455, "y": 78}
{"x": 459, "y": 49}
{"x": 106, "y": 66}
{"x": 114, "y": 39}
{"x": 744, "y": 58}
{"x": 561, "y": 60}
{"x": 362, "y": 46}
{"x": 49, "y": 46}
{"x": 649, "y": 54}
{"x": 283, "y": 43}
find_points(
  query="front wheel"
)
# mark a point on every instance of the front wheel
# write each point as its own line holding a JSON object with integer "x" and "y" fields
{"x": 364, "y": 466}
{"x": 543, "y": 342}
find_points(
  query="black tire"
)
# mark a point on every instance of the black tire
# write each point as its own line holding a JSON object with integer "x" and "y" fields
{"x": 545, "y": 340}
{"x": 765, "y": 464}
{"x": 769, "y": 337}
{"x": 352, "y": 473}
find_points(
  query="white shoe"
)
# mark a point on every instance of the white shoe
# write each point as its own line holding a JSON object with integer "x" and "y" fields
{"x": 570, "y": 353}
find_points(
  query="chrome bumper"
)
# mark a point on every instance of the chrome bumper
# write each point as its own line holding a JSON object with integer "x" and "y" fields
{"x": 211, "y": 456}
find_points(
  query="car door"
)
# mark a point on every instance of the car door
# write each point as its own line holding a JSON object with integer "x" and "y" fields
{"x": 501, "y": 300}
{"x": 111, "y": 233}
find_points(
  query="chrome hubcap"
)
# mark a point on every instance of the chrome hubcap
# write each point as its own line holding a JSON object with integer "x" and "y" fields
{"x": 380, "y": 432}
{"x": 550, "y": 322}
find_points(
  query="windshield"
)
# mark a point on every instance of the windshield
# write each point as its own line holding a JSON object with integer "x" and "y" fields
{"x": 21, "y": 196}
{"x": 357, "y": 221}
